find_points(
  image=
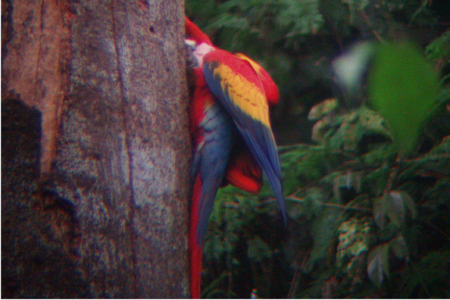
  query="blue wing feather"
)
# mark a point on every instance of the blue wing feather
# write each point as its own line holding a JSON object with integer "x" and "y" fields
{"x": 211, "y": 159}
{"x": 258, "y": 137}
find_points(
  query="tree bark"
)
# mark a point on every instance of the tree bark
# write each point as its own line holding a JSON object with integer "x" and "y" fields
{"x": 96, "y": 149}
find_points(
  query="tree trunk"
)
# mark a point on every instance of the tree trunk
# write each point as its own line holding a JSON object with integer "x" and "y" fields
{"x": 95, "y": 149}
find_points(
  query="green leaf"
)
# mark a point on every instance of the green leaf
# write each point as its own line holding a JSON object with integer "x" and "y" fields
{"x": 409, "y": 204}
{"x": 348, "y": 180}
{"x": 379, "y": 211}
{"x": 355, "y": 6}
{"x": 385, "y": 259}
{"x": 320, "y": 129}
{"x": 439, "y": 49}
{"x": 395, "y": 208}
{"x": 345, "y": 132}
{"x": 323, "y": 228}
{"x": 375, "y": 266}
{"x": 436, "y": 160}
{"x": 258, "y": 250}
{"x": 438, "y": 194}
{"x": 403, "y": 87}
{"x": 442, "y": 149}
{"x": 430, "y": 278}
{"x": 378, "y": 264}
{"x": 320, "y": 110}
{"x": 211, "y": 288}
{"x": 399, "y": 247}
{"x": 371, "y": 122}
{"x": 301, "y": 17}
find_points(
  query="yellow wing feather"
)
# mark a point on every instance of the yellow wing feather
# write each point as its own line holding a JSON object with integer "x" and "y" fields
{"x": 244, "y": 94}
{"x": 254, "y": 64}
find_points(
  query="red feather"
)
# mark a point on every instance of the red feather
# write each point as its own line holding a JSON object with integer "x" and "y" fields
{"x": 243, "y": 172}
{"x": 193, "y": 32}
{"x": 195, "y": 248}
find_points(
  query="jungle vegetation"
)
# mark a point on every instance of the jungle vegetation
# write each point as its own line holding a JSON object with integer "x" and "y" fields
{"x": 363, "y": 128}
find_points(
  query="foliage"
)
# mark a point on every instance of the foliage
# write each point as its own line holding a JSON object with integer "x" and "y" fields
{"x": 366, "y": 217}
{"x": 366, "y": 206}
{"x": 403, "y": 87}
{"x": 297, "y": 41}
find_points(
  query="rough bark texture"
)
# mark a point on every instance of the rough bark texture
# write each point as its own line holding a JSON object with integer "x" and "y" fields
{"x": 95, "y": 149}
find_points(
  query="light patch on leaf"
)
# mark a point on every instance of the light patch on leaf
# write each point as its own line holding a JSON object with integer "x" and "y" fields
{"x": 378, "y": 264}
{"x": 322, "y": 109}
{"x": 354, "y": 239}
{"x": 395, "y": 208}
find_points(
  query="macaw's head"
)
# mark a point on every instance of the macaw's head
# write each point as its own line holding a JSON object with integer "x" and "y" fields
{"x": 194, "y": 33}
{"x": 202, "y": 43}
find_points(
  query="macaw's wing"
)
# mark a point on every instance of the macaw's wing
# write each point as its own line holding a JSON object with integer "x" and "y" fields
{"x": 213, "y": 149}
{"x": 270, "y": 88}
{"x": 211, "y": 130}
{"x": 239, "y": 89}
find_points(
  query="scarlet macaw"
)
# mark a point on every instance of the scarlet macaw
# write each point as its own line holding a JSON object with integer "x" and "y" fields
{"x": 230, "y": 129}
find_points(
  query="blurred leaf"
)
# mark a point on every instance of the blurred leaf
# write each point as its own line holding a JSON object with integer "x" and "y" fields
{"x": 301, "y": 17}
{"x": 324, "y": 231}
{"x": 322, "y": 109}
{"x": 436, "y": 160}
{"x": 348, "y": 180}
{"x": 209, "y": 291}
{"x": 444, "y": 94}
{"x": 385, "y": 259}
{"x": 393, "y": 205}
{"x": 438, "y": 195}
{"x": 372, "y": 123}
{"x": 403, "y": 87}
{"x": 409, "y": 203}
{"x": 229, "y": 21}
{"x": 351, "y": 66}
{"x": 378, "y": 264}
{"x": 439, "y": 49}
{"x": 311, "y": 165}
{"x": 378, "y": 156}
{"x": 356, "y": 4}
{"x": 380, "y": 211}
{"x": 346, "y": 132}
{"x": 313, "y": 202}
{"x": 258, "y": 250}
{"x": 395, "y": 208}
{"x": 440, "y": 151}
{"x": 399, "y": 247}
{"x": 320, "y": 129}
{"x": 214, "y": 247}
{"x": 430, "y": 278}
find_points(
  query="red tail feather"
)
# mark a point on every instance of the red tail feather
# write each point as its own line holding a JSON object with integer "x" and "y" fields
{"x": 195, "y": 248}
